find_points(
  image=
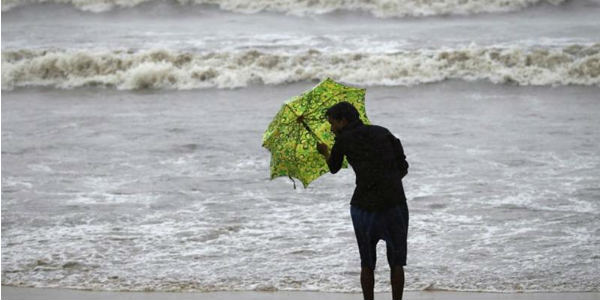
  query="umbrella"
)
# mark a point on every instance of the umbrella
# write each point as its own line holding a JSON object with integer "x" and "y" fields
{"x": 300, "y": 124}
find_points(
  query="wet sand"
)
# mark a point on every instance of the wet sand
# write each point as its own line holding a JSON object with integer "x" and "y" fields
{"x": 17, "y": 293}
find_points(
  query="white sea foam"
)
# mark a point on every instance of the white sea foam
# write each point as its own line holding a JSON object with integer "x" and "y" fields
{"x": 180, "y": 198}
{"x": 378, "y": 8}
{"x": 167, "y": 69}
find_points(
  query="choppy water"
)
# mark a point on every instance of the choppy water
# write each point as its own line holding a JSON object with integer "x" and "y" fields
{"x": 376, "y": 8}
{"x": 163, "y": 69}
{"x": 165, "y": 45}
{"x": 129, "y": 163}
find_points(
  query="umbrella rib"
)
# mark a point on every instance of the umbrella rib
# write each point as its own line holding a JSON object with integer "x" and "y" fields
{"x": 305, "y": 125}
{"x": 310, "y": 113}
{"x": 298, "y": 139}
{"x": 321, "y": 104}
{"x": 318, "y": 106}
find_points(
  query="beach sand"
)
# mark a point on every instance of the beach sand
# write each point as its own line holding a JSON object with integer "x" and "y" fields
{"x": 18, "y": 293}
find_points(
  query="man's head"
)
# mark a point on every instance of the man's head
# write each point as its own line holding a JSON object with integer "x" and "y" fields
{"x": 340, "y": 114}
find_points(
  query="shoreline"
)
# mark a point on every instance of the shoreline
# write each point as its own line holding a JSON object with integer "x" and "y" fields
{"x": 26, "y": 293}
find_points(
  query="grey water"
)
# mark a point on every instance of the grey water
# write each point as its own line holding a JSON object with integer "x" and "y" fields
{"x": 132, "y": 158}
{"x": 203, "y": 28}
{"x": 170, "y": 191}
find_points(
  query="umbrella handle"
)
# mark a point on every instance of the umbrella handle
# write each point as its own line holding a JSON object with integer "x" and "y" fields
{"x": 300, "y": 119}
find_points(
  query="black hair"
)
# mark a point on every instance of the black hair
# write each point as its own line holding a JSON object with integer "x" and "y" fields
{"x": 342, "y": 110}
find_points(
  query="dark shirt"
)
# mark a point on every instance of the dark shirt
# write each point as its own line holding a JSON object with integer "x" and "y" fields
{"x": 379, "y": 163}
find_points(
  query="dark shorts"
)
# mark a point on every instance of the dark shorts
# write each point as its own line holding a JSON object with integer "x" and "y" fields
{"x": 390, "y": 225}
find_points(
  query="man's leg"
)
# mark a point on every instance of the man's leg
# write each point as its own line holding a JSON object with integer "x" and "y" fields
{"x": 363, "y": 223}
{"x": 367, "y": 281}
{"x": 395, "y": 239}
{"x": 397, "y": 279}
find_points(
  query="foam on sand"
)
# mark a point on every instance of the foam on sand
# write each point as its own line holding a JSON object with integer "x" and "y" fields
{"x": 35, "y": 294}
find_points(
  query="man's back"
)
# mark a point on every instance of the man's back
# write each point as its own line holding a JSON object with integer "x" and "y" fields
{"x": 379, "y": 162}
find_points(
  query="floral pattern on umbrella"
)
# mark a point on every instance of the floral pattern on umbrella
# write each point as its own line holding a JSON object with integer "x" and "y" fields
{"x": 300, "y": 124}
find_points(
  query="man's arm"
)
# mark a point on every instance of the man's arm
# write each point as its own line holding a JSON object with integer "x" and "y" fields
{"x": 334, "y": 158}
{"x": 399, "y": 154}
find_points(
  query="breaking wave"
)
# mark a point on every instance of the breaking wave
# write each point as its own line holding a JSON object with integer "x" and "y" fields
{"x": 378, "y": 8}
{"x": 166, "y": 69}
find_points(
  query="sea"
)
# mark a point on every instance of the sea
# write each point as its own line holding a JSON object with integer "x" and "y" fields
{"x": 132, "y": 155}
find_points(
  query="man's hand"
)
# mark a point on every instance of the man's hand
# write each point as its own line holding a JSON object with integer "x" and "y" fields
{"x": 323, "y": 149}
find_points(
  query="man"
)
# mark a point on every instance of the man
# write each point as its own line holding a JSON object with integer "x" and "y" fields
{"x": 378, "y": 205}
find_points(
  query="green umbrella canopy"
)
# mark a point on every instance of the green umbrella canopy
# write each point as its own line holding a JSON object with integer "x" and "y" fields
{"x": 300, "y": 124}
